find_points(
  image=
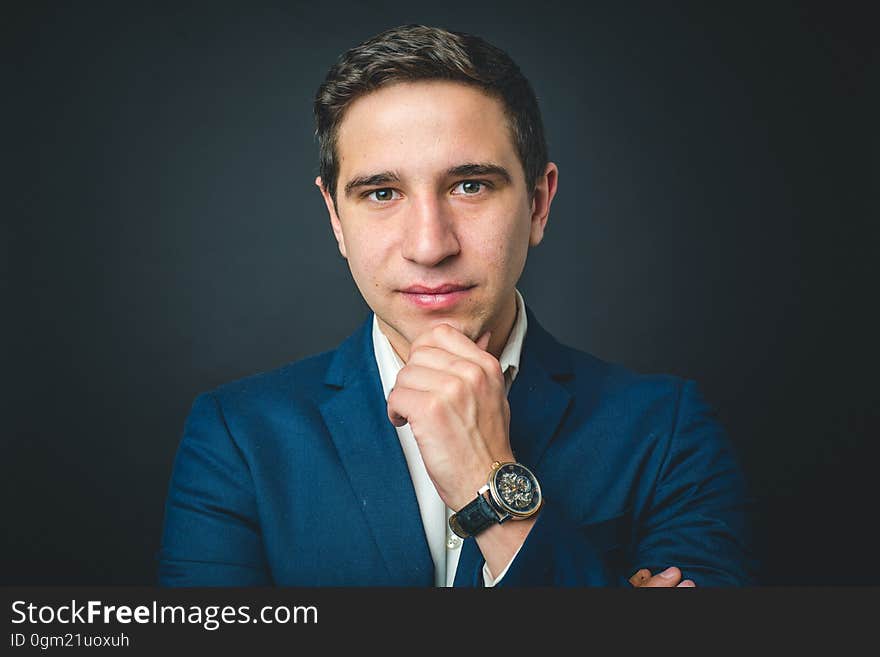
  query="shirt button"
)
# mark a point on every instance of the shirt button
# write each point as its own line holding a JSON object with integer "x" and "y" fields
{"x": 453, "y": 542}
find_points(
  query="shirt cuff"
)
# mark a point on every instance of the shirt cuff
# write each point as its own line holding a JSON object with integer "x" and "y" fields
{"x": 488, "y": 582}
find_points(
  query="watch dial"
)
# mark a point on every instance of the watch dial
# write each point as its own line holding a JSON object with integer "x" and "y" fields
{"x": 518, "y": 489}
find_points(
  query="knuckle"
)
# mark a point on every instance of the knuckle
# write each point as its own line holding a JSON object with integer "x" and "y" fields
{"x": 421, "y": 358}
{"x": 493, "y": 365}
{"x": 453, "y": 387}
{"x": 402, "y": 377}
{"x": 471, "y": 372}
{"x": 433, "y": 406}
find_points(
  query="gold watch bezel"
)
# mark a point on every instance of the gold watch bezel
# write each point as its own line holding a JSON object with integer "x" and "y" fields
{"x": 496, "y": 497}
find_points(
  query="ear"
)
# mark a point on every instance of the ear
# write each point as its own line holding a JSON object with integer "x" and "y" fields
{"x": 545, "y": 190}
{"x": 334, "y": 218}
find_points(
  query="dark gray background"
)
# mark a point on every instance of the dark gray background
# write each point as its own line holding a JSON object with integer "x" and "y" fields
{"x": 162, "y": 235}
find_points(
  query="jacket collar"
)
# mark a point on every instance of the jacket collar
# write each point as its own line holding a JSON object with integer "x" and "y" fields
{"x": 538, "y": 400}
{"x": 370, "y": 452}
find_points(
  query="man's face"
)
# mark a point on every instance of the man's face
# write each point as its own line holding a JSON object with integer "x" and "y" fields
{"x": 431, "y": 193}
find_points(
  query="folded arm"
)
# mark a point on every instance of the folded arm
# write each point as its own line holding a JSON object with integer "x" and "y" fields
{"x": 695, "y": 519}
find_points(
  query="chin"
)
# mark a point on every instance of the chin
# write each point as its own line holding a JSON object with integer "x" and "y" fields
{"x": 465, "y": 326}
{"x": 411, "y": 326}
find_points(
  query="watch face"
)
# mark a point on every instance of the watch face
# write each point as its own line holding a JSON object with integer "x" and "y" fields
{"x": 516, "y": 489}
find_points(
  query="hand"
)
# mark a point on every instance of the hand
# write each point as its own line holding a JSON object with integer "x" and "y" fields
{"x": 451, "y": 392}
{"x": 669, "y": 578}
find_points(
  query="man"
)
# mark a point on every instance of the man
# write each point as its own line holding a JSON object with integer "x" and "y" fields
{"x": 450, "y": 440}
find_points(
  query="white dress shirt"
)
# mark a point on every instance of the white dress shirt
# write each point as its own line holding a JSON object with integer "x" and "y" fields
{"x": 444, "y": 545}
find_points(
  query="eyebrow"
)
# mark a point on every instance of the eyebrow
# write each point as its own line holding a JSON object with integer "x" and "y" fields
{"x": 467, "y": 170}
{"x": 479, "y": 169}
{"x": 371, "y": 180}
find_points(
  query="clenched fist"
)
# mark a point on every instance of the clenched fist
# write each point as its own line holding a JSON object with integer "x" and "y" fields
{"x": 451, "y": 392}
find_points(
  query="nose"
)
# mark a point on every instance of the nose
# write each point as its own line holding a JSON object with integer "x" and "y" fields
{"x": 429, "y": 236}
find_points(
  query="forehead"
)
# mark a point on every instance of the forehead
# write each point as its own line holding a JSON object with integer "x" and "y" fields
{"x": 420, "y": 128}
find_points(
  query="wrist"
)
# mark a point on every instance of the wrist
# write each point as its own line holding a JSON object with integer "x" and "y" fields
{"x": 499, "y": 544}
{"x": 512, "y": 492}
{"x": 476, "y": 480}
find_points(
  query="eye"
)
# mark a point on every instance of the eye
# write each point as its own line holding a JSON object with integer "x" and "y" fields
{"x": 469, "y": 187}
{"x": 383, "y": 195}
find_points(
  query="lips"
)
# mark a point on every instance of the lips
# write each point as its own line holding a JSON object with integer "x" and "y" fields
{"x": 442, "y": 289}
{"x": 442, "y": 297}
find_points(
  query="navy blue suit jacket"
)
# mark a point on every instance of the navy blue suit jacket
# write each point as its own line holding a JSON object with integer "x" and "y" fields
{"x": 296, "y": 477}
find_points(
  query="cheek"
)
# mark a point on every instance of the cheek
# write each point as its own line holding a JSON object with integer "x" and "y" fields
{"x": 367, "y": 255}
{"x": 504, "y": 244}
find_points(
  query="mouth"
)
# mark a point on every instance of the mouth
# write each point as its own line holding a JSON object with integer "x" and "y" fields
{"x": 438, "y": 298}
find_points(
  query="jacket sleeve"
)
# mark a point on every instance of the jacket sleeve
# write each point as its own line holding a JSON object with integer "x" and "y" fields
{"x": 211, "y": 535}
{"x": 694, "y": 516}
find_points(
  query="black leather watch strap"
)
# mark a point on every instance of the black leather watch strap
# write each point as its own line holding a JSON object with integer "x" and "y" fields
{"x": 473, "y": 518}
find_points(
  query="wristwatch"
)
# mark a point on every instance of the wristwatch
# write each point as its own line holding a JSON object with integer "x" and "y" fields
{"x": 513, "y": 493}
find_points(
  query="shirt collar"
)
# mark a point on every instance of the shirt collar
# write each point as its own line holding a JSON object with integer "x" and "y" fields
{"x": 510, "y": 355}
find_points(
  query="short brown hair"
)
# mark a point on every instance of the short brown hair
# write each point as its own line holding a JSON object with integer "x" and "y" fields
{"x": 417, "y": 52}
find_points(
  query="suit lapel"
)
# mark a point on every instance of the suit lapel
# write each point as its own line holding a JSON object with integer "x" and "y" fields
{"x": 538, "y": 403}
{"x": 370, "y": 452}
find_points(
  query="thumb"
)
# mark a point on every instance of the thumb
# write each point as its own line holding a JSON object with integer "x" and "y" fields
{"x": 483, "y": 340}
